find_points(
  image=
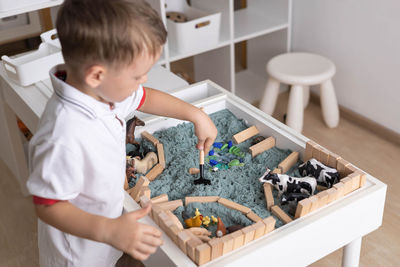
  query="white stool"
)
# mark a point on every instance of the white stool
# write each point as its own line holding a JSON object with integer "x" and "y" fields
{"x": 300, "y": 70}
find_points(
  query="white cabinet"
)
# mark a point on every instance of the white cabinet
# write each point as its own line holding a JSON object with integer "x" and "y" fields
{"x": 264, "y": 24}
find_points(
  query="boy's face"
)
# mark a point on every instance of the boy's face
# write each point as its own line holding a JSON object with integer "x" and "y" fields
{"x": 117, "y": 85}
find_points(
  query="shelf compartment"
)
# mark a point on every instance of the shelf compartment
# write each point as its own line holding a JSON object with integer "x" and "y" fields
{"x": 259, "y": 18}
{"x": 30, "y": 7}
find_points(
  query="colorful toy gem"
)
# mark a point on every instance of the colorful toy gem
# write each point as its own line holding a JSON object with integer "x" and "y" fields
{"x": 217, "y": 144}
{"x": 211, "y": 152}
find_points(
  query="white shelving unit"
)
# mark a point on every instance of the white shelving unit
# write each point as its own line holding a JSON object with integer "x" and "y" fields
{"x": 264, "y": 24}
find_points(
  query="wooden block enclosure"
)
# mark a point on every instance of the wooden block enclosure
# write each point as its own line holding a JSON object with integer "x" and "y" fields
{"x": 363, "y": 207}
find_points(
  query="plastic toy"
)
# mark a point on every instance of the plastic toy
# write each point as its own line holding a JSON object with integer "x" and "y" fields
{"x": 130, "y": 130}
{"x": 202, "y": 180}
{"x": 295, "y": 197}
{"x": 177, "y": 17}
{"x": 285, "y": 183}
{"x": 221, "y": 230}
{"x": 325, "y": 175}
{"x": 142, "y": 166}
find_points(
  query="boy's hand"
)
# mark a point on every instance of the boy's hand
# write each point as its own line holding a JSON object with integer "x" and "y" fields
{"x": 205, "y": 131}
{"x": 137, "y": 239}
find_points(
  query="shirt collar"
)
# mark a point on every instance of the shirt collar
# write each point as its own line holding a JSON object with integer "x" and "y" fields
{"x": 70, "y": 94}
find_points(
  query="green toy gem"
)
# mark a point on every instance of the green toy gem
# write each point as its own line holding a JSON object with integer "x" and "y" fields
{"x": 224, "y": 146}
{"x": 234, "y": 162}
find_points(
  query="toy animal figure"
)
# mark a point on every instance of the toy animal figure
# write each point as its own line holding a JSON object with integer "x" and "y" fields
{"x": 130, "y": 130}
{"x": 285, "y": 183}
{"x": 292, "y": 197}
{"x": 325, "y": 175}
{"x": 221, "y": 230}
{"x": 142, "y": 166}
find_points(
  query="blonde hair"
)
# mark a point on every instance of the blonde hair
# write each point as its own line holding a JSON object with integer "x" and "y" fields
{"x": 110, "y": 32}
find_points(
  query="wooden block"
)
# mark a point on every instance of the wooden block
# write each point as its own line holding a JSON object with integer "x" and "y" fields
{"x": 143, "y": 181}
{"x": 173, "y": 232}
{"x": 340, "y": 190}
{"x": 303, "y": 208}
{"x": 341, "y": 167}
{"x": 333, "y": 158}
{"x": 216, "y": 248}
{"x": 248, "y": 233}
{"x": 332, "y": 194}
{"x": 355, "y": 180}
{"x": 262, "y": 146}
{"x": 144, "y": 201}
{"x": 238, "y": 239}
{"x": 155, "y": 210}
{"x": 308, "y": 153}
{"x": 269, "y": 198}
{"x": 269, "y": 224}
{"x": 202, "y": 254}
{"x": 199, "y": 231}
{"x": 227, "y": 246}
{"x": 159, "y": 199}
{"x": 150, "y": 138}
{"x": 160, "y": 153}
{"x": 144, "y": 191}
{"x": 316, "y": 152}
{"x": 183, "y": 237}
{"x": 259, "y": 229}
{"x": 321, "y": 187}
{"x": 347, "y": 184}
{"x": 170, "y": 205}
{"x": 277, "y": 170}
{"x": 254, "y": 217}
{"x": 191, "y": 245}
{"x": 289, "y": 161}
{"x": 324, "y": 156}
{"x": 314, "y": 203}
{"x": 233, "y": 205}
{"x": 323, "y": 198}
{"x": 205, "y": 199}
{"x": 194, "y": 171}
{"x": 246, "y": 134}
{"x": 278, "y": 212}
{"x": 154, "y": 172}
{"x": 174, "y": 219}
{"x": 363, "y": 178}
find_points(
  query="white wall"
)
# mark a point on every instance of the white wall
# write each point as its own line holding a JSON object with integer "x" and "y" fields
{"x": 362, "y": 37}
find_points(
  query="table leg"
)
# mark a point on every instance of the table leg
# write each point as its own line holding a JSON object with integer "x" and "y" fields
{"x": 11, "y": 146}
{"x": 329, "y": 105}
{"x": 351, "y": 253}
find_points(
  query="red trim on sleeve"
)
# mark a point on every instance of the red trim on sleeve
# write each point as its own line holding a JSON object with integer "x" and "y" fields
{"x": 142, "y": 100}
{"x": 44, "y": 201}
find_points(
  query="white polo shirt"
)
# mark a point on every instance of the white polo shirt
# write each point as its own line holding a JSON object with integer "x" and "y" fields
{"x": 78, "y": 155}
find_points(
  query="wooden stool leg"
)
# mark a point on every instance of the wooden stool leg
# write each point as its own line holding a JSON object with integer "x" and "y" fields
{"x": 306, "y": 95}
{"x": 295, "y": 108}
{"x": 270, "y": 96}
{"x": 329, "y": 105}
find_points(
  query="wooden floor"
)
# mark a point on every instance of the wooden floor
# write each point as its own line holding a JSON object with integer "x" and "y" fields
{"x": 18, "y": 235}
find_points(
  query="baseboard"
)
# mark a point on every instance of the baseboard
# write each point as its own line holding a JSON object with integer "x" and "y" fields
{"x": 364, "y": 122}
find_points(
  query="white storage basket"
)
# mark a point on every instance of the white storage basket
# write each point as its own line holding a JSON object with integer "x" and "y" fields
{"x": 201, "y": 31}
{"x": 6, "y": 5}
{"x": 34, "y": 66}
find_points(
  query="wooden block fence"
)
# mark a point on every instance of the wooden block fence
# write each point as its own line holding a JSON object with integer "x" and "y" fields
{"x": 150, "y": 138}
{"x": 245, "y": 134}
{"x": 262, "y": 146}
{"x": 289, "y": 161}
{"x": 205, "y": 199}
{"x": 155, "y": 171}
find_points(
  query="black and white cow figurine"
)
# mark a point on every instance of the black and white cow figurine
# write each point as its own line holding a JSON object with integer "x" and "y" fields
{"x": 285, "y": 183}
{"x": 292, "y": 197}
{"x": 325, "y": 175}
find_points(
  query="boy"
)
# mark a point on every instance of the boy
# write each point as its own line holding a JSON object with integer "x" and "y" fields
{"x": 77, "y": 156}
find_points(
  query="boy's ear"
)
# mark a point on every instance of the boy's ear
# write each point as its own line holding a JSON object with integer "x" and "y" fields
{"x": 94, "y": 75}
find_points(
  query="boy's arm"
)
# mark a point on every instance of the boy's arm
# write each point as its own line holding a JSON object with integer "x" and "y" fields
{"x": 124, "y": 233}
{"x": 160, "y": 103}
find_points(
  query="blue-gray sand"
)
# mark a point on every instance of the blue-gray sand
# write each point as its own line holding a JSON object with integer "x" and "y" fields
{"x": 238, "y": 183}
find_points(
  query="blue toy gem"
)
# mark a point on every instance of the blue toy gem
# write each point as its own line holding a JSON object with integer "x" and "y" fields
{"x": 230, "y": 144}
{"x": 211, "y": 152}
{"x": 217, "y": 144}
{"x": 213, "y": 162}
